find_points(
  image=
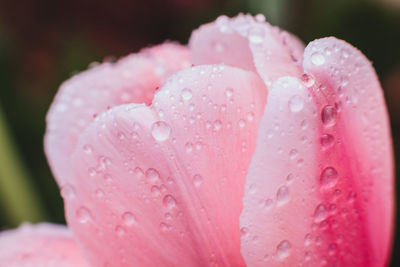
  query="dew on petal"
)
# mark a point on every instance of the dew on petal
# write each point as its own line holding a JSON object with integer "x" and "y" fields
{"x": 282, "y": 195}
{"x": 169, "y": 201}
{"x": 329, "y": 177}
{"x": 317, "y": 58}
{"x": 329, "y": 115}
{"x": 296, "y": 103}
{"x": 128, "y": 218}
{"x": 283, "y": 249}
{"x": 83, "y": 214}
{"x": 160, "y": 131}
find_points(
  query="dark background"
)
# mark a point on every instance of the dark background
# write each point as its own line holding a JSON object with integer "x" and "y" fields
{"x": 44, "y": 42}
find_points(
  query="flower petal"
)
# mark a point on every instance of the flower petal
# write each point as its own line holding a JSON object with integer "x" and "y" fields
{"x": 163, "y": 185}
{"x": 320, "y": 184}
{"x": 250, "y": 43}
{"x": 133, "y": 79}
{"x": 42, "y": 245}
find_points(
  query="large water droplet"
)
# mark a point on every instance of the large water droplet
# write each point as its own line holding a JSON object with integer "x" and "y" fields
{"x": 327, "y": 140}
{"x": 317, "y": 59}
{"x": 256, "y": 35}
{"x": 296, "y": 103}
{"x": 186, "y": 94}
{"x": 67, "y": 191}
{"x": 160, "y": 131}
{"x": 152, "y": 175}
{"x": 282, "y": 195}
{"x": 283, "y": 249}
{"x": 320, "y": 213}
{"x": 329, "y": 177}
{"x": 83, "y": 214}
{"x": 169, "y": 201}
{"x": 329, "y": 115}
{"x": 197, "y": 180}
{"x": 129, "y": 218}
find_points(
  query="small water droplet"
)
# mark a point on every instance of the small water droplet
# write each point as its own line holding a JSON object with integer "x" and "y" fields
{"x": 67, "y": 191}
{"x": 296, "y": 103}
{"x": 99, "y": 193}
{"x": 327, "y": 140}
{"x": 217, "y": 125}
{"x": 164, "y": 227}
{"x": 153, "y": 175}
{"x": 83, "y": 214}
{"x": 189, "y": 147}
{"x": 293, "y": 153}
{"x": 128, "y": 218}
{"x": 160, "y": 131}
{"x": 283, "y": 249}
{"x": 87, "y": 149}
{"x": 120, "y": 230}
{"x": 282, "y": 195}
{"x": 169, "y": 201}
{"x": 229, "y": 92}
{"x": 250, "y": 116}
{"x": 307, "y": 80}
{"x": 242, "y": 123}
{"x": 329, "y": 177}
{"x": 155, "y": 191}
{"x": 329, "y": 115}
{"x": 317, "y": 59}
{"x": 244, "y": 231}
{"x": 186, "y": 94}
{"x": 197, "y": 180}
{"x": 256, "y": 35}
{"x": 320, "y": 213}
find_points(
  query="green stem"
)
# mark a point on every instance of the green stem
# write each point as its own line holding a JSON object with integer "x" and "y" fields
{"x": 18, "y": 198}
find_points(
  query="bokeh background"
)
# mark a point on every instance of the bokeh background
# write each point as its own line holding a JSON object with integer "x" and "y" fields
{"x": 43, "y": 42}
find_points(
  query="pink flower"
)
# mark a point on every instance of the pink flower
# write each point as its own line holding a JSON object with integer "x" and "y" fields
{"x": 253, "y": 151}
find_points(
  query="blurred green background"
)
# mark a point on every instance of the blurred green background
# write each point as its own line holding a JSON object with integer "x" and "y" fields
{"x": 43, "y": 42}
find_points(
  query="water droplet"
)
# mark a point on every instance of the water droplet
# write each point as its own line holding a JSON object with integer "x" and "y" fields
{"x": 317, "y": 59}
{"x": 189, "y": 147}
{"x": 160, "y": 131}
{"x": 120, "y": 230}
{"x": 244, "y": 231}
{"x": 83, "y": 214}
{"x": 256, "y": 35}
{"x": 229, "y": 92}
{"x": 283, "y": 249}
{"x": 92, "y": 172}
{"x": 327, "y": 140}
{"x": 329, "y": 177}
{"x": 320, "y": 213}
{"x": 99, "y": 193}
{"x": 197, "y": 180}
{"x": 155, "y": 191}
{"x": 250, "y": 116}
{"x": 128, "y": 218}
{"x": 293, "y": 153}
{"x": 307, "y": 80}
{"x": 268, "y": 203}
{"x": 186, "y": 94}
{"x": 282, "y": 195}
{"x": 152, "y": 175}
{"x": 67, "y": 191}
{"x": 290, "y": 177}
{"x": 164, "y": 227}
{"x": 329, "y": 115}
{"x": 307, "y": 240}
{"x": 217, "y": 125}
{"x": 242, "y": 123}
{"x": 87, "y": 149}
{"x": 169, "y": 201}
{"x": 296, "y": 103}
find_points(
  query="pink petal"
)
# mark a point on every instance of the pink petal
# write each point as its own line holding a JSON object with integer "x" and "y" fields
{"x": 320, "y": 184}
{"x": 42, "y": 245}
{"x": 250, "y": 43}
{"x": 132, "y": 79}
{"x": 163, "y": 185}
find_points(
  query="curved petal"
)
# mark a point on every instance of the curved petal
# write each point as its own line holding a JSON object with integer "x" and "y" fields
{"x": 133, "y": 79}
{"x": 42, "y": 245}
{"x": 249, "y": 43}
{"x": 162, "y": 185}
{"x": 320, "y": 185}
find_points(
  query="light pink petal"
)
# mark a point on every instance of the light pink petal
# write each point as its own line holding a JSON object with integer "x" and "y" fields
{"x": 133, "y": 79}
{"x": 42, "y": 245}
{"x": 163, "y": 185}
{"x": 250, "y": 43}
{"x": 320, "y": 185}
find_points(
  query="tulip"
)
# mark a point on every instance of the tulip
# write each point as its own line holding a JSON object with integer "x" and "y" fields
{"x": 242, "y": 149}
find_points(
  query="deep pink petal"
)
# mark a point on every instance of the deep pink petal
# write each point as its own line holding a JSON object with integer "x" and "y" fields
{"x": 42, "y": 245}
{"x": 250, "y": 43}
{"x": 133, "y": 79}
{"x": 320, "y": 184}
{"x": 163, "y": 185}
